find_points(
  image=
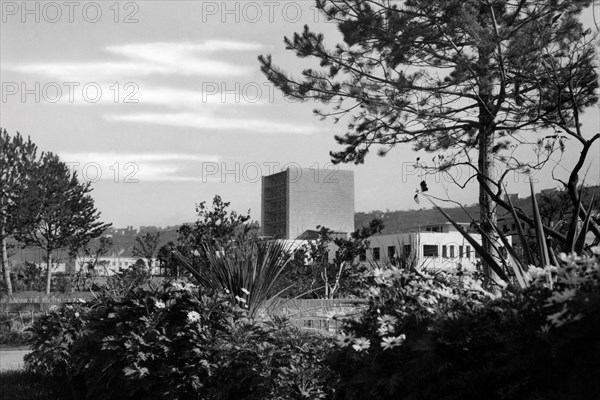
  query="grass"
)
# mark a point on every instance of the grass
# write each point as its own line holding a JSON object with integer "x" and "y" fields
{"x": 23, "y": 385}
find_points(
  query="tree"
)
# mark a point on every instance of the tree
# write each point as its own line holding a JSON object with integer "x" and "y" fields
{"x": 214, "y": 226}
{"x": 88, "y": 269}
{"x": 472, "y": 78}
{"x": 16, "y": 165}
{"x": 63, "y": 213}
{"x": 146, "y": 245}
{"x": 167, "y": 259}
{"x": 313, "y": 269}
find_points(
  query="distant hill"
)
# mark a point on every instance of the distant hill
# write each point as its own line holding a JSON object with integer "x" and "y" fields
{"x": 399, "y": 221}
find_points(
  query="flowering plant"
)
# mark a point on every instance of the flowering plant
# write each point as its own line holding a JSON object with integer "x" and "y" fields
{"x": 432, "y": 334}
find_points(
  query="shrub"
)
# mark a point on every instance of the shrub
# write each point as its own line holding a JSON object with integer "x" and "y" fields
{"x": 178, "y": 343}
{"x": 53, "y": 335}
{"x": 271, "y": 359}
{"x": 442, "y": 336}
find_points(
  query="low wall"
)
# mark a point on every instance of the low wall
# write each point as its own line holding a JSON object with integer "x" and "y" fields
{"x": 36, "y": 302}
{"x": 319, "y": 314}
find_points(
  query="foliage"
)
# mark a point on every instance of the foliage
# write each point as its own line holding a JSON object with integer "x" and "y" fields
{"x": 471, "y": 79}
{"x": 146, "y": 245}
{"x": 16, "y": 165}
{"x": 441, "y": 336}
{"x": 518, "y": 264}
{"x": 316, "y": 273}
{"x": 273, "y": 360}
{"x": 63, "y": 213}
{"x": 214, "y": 226}
{"x": 178, "y": 343}
{"x": 29, "y": 276}
{"x": 248, "y": 271}
{"x": 53, "y": 336}
{"x": 168, "y": 261}
{"x": 83, "y": 278}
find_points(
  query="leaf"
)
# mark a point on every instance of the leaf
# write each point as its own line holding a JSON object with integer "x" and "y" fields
{"x": 416, "y": 198}
{"x": 424, "y": 187}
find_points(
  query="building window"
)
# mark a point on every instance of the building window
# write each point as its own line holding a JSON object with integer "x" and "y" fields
{"x": 430, "y": 250}
{"x": 362, "y": 256}
{"x": 468, "y": 251}
{"x": 376, "y": 255}
{"x": 391, "y": 253}
{"x": 451, "y": 251}
{"x": 444, "y": 252}
{"x": 460, "y": 252}
{"x": 407, "y": 250}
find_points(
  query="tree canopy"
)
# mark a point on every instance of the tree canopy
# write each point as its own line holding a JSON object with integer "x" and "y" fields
{"x": 60, "y": 211}
{"x": 471, "y": 80}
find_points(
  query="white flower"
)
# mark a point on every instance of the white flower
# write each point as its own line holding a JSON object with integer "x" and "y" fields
{"x": 374, "y": 292}
{"x": 53, "y": 308}
{"x": 361, "y": 344}
{"x": 446, "y": 292}
{"x": 245, "y": 291}
{"x": 159, "y": 304}
{"x": 343, "y": 340}
{"x": 112, "y": 315}
{"x": 76, "y": 315}
{"x": 561, "y": 297}
{"x": 385, "y": 329}
{"x": 391, "y": 342}
{"x": 193, "y": 316}
{"x": 387, "y": 319}
{"x": 241, "y": 300}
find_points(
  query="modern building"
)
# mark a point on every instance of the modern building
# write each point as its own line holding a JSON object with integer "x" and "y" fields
{"x": 438, "y": 246}
{"x": 298, "y": 200}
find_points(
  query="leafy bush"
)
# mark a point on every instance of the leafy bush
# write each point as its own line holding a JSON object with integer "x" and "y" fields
{"x": 174, "y": 342}
{"x": 53, "y": 335}
{"x": 442, "y": 336}
{"x": 271, "y": 360}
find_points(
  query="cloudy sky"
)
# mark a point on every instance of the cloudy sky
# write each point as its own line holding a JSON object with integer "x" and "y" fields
{"x": 162, "y": 105}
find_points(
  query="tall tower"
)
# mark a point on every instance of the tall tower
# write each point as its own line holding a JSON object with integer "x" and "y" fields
{"x": 297, "y": 200}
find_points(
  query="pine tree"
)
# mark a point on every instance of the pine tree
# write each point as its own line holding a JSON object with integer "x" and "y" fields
{"x": 469, "y": 80}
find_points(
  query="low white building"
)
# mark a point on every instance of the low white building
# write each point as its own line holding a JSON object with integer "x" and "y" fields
{"x": 438, "y": 246}
{"x": 110, "y": 265}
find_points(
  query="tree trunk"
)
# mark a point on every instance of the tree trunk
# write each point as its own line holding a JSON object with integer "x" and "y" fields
{"x": 49, "y": 272}
{"x": 485, "y": 162}
{"x": 5, "y": 267}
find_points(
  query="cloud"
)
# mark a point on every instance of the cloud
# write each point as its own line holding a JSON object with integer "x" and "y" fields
{"x": 211, "y": 122}
{"x": 215, "y": 94}
{"x": 139, "y": 167}
{"x": 145, "y": 59}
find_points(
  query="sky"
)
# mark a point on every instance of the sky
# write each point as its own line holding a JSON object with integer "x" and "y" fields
{"x": 162, "y": 105}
